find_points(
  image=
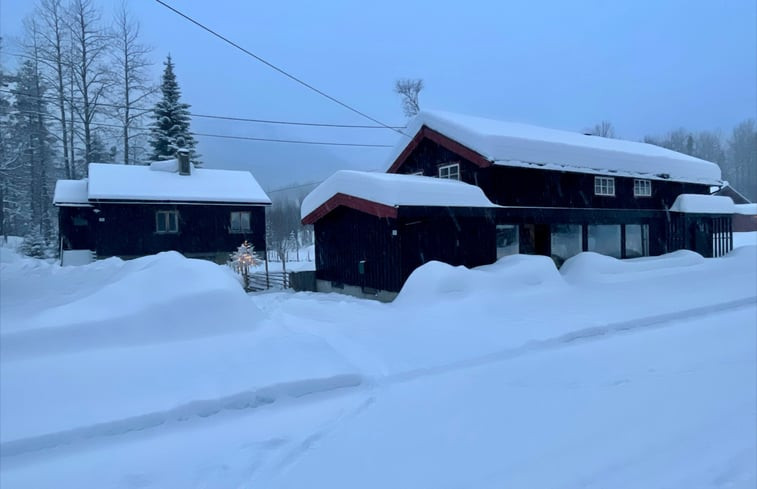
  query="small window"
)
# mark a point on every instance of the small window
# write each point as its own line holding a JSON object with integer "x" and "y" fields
{"x": 451, "y": 172}
{"x": 418, "y": 173}
{"x": 240, "y": 222}
{"x": 167, "y": 222}
{"x": 604, "y": 186}
{"x": 642, "y": 188}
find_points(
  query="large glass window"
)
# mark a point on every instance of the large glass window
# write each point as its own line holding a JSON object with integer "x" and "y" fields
{"x": 167, "y": 222}
{"x": 450, "y": 171}
{"x": 240, "y": 222}
{"x": 604, "y": 186}
{"x": 507, "y": 240}
{"x": 637, "y": 240}
{"x": 566, "y": 240}
{"x": 605, "y": 239}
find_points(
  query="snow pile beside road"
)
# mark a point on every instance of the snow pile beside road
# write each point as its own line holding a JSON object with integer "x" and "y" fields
{"x": 435, "y": 281}
{"x": 155, "y": 298}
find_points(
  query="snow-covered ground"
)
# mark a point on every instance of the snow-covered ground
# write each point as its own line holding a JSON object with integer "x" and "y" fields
{"x": 160, "y": 372}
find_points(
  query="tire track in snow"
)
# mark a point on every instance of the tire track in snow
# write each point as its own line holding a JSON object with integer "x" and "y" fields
{"x": 305, "y": 390}
{"x": 190, "y": 411}
{"x": 574, "y": 337}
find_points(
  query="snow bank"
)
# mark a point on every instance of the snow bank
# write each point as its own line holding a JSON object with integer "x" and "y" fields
{"x": 748, "y": 238}
{"x": 393, "y": 190}
{"x": 593, "y": 267}
{"x": 155, "y": 298}
{"x": 436, "y": 281}
{"x": 513, "y": 144}
{"x": 703, "y": 204}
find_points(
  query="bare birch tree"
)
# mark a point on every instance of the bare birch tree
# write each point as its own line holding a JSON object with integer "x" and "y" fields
{"x": 90, "y": 47}
{"x": 131, "y": 78}
{"x": 409, "y": 90}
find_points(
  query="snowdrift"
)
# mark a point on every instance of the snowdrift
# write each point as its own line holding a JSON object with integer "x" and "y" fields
{"x": 510, "y": 275}
{"x": 156, "y": 298}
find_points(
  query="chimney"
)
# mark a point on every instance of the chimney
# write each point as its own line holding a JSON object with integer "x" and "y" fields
{"x": 183, "y": 155}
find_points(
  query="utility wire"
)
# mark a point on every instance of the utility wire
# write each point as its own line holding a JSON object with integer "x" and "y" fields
{"x": 226, "y": 136}
{"x": 221, "y": 117}
{"x": 276, "y": 68}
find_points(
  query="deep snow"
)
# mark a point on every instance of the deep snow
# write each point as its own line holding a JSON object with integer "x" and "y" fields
{"x": 160, "y": 372}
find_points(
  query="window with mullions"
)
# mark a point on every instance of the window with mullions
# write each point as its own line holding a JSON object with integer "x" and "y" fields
{"x": 239, "y": 222}
{"x": 167, "y": 222}
{"x": 642, "y": 188}
{"x": 451, "y": 172}
{"x": 604, "y": 186}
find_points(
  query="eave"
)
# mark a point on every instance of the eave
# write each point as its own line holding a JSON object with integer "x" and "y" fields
{"x": 443, "y": 141}
{"x": 362, "y": 205}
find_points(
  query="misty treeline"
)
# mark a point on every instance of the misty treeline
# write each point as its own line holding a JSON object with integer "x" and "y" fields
{"x": 735, "y": 152}
{"x": 285, "y": 233}
{"x": 82, "y": 93}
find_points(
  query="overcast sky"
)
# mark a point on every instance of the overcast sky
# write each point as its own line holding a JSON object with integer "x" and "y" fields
{"x": 648, "y": 66}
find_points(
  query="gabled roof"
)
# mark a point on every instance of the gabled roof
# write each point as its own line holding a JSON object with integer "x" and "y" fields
{"x": 71, "y": 193}
{"x": 728, "y": 191}
{"x": 492, "y": 142}
{"x": 380, "y": 194}
{"x": 703, "y": 204}
{"x": 161, "y": 182}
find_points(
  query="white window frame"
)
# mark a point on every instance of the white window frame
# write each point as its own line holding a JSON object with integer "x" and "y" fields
{"x": 241, "y": 229}
{"x": 163, "y": 217}
{"x": 642, "y": 188}
{"x": 446, "y": 171}
{"x": 604, "y": 186}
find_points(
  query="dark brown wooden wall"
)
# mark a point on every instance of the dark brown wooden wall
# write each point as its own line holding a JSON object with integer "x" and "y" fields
{"x": 128, "y": 230}
{"x": 513, "y": 186}
{"x": 344, "y": 237}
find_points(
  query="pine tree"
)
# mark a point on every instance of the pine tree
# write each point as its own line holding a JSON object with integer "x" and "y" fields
{"x": 170, "y": 131}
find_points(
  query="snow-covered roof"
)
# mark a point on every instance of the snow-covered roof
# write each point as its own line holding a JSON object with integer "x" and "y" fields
{"x": 522, "y": 145}
{"x": 395, "y": 190}
{"x": 703, "y": 204}
{"x": 71, "y": 193}
{"x": 746, "y": 209}
{"x": 162, "y": 183}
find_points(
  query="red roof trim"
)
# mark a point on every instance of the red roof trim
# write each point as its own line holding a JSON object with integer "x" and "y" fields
{"x": 443, "y": 141}
{"x": 340, "y": 199}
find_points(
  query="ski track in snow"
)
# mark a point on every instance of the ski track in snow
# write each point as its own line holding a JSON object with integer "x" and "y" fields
{"x": 313, "y": 389}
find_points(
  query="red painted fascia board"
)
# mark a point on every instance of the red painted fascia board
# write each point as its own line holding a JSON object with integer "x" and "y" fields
{"x": 363, "y": 205}
{"x": 443, "y": 141}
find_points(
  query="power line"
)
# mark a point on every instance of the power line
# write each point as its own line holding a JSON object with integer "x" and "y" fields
{"x": 274, "y": 67}
{"x": 227, "y": 136}
{"x": 223, "y": 117}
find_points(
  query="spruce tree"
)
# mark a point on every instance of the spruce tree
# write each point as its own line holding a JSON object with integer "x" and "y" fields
{"x": 170, "y": 130}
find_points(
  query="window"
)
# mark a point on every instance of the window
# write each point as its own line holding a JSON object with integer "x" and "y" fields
{"x": 507, "y": 240}
{"x": 604, "y": 186}
{"x": 605, "y": 239}
{"x": 451, "y": 172}
{"x": 240, "y": 222}
{"x": 418, "y": 173}
{"x": 167, "y": 222}
{"x": 637, "y": 240}
{"x": 566, "y": 241}
{"x": 642, "y": 188}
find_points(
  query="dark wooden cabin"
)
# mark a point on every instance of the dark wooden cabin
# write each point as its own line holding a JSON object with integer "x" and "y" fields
{"x": 373, "y": 230}
{"x": 562, "y": 193}
{"x": 132, "y": 211}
